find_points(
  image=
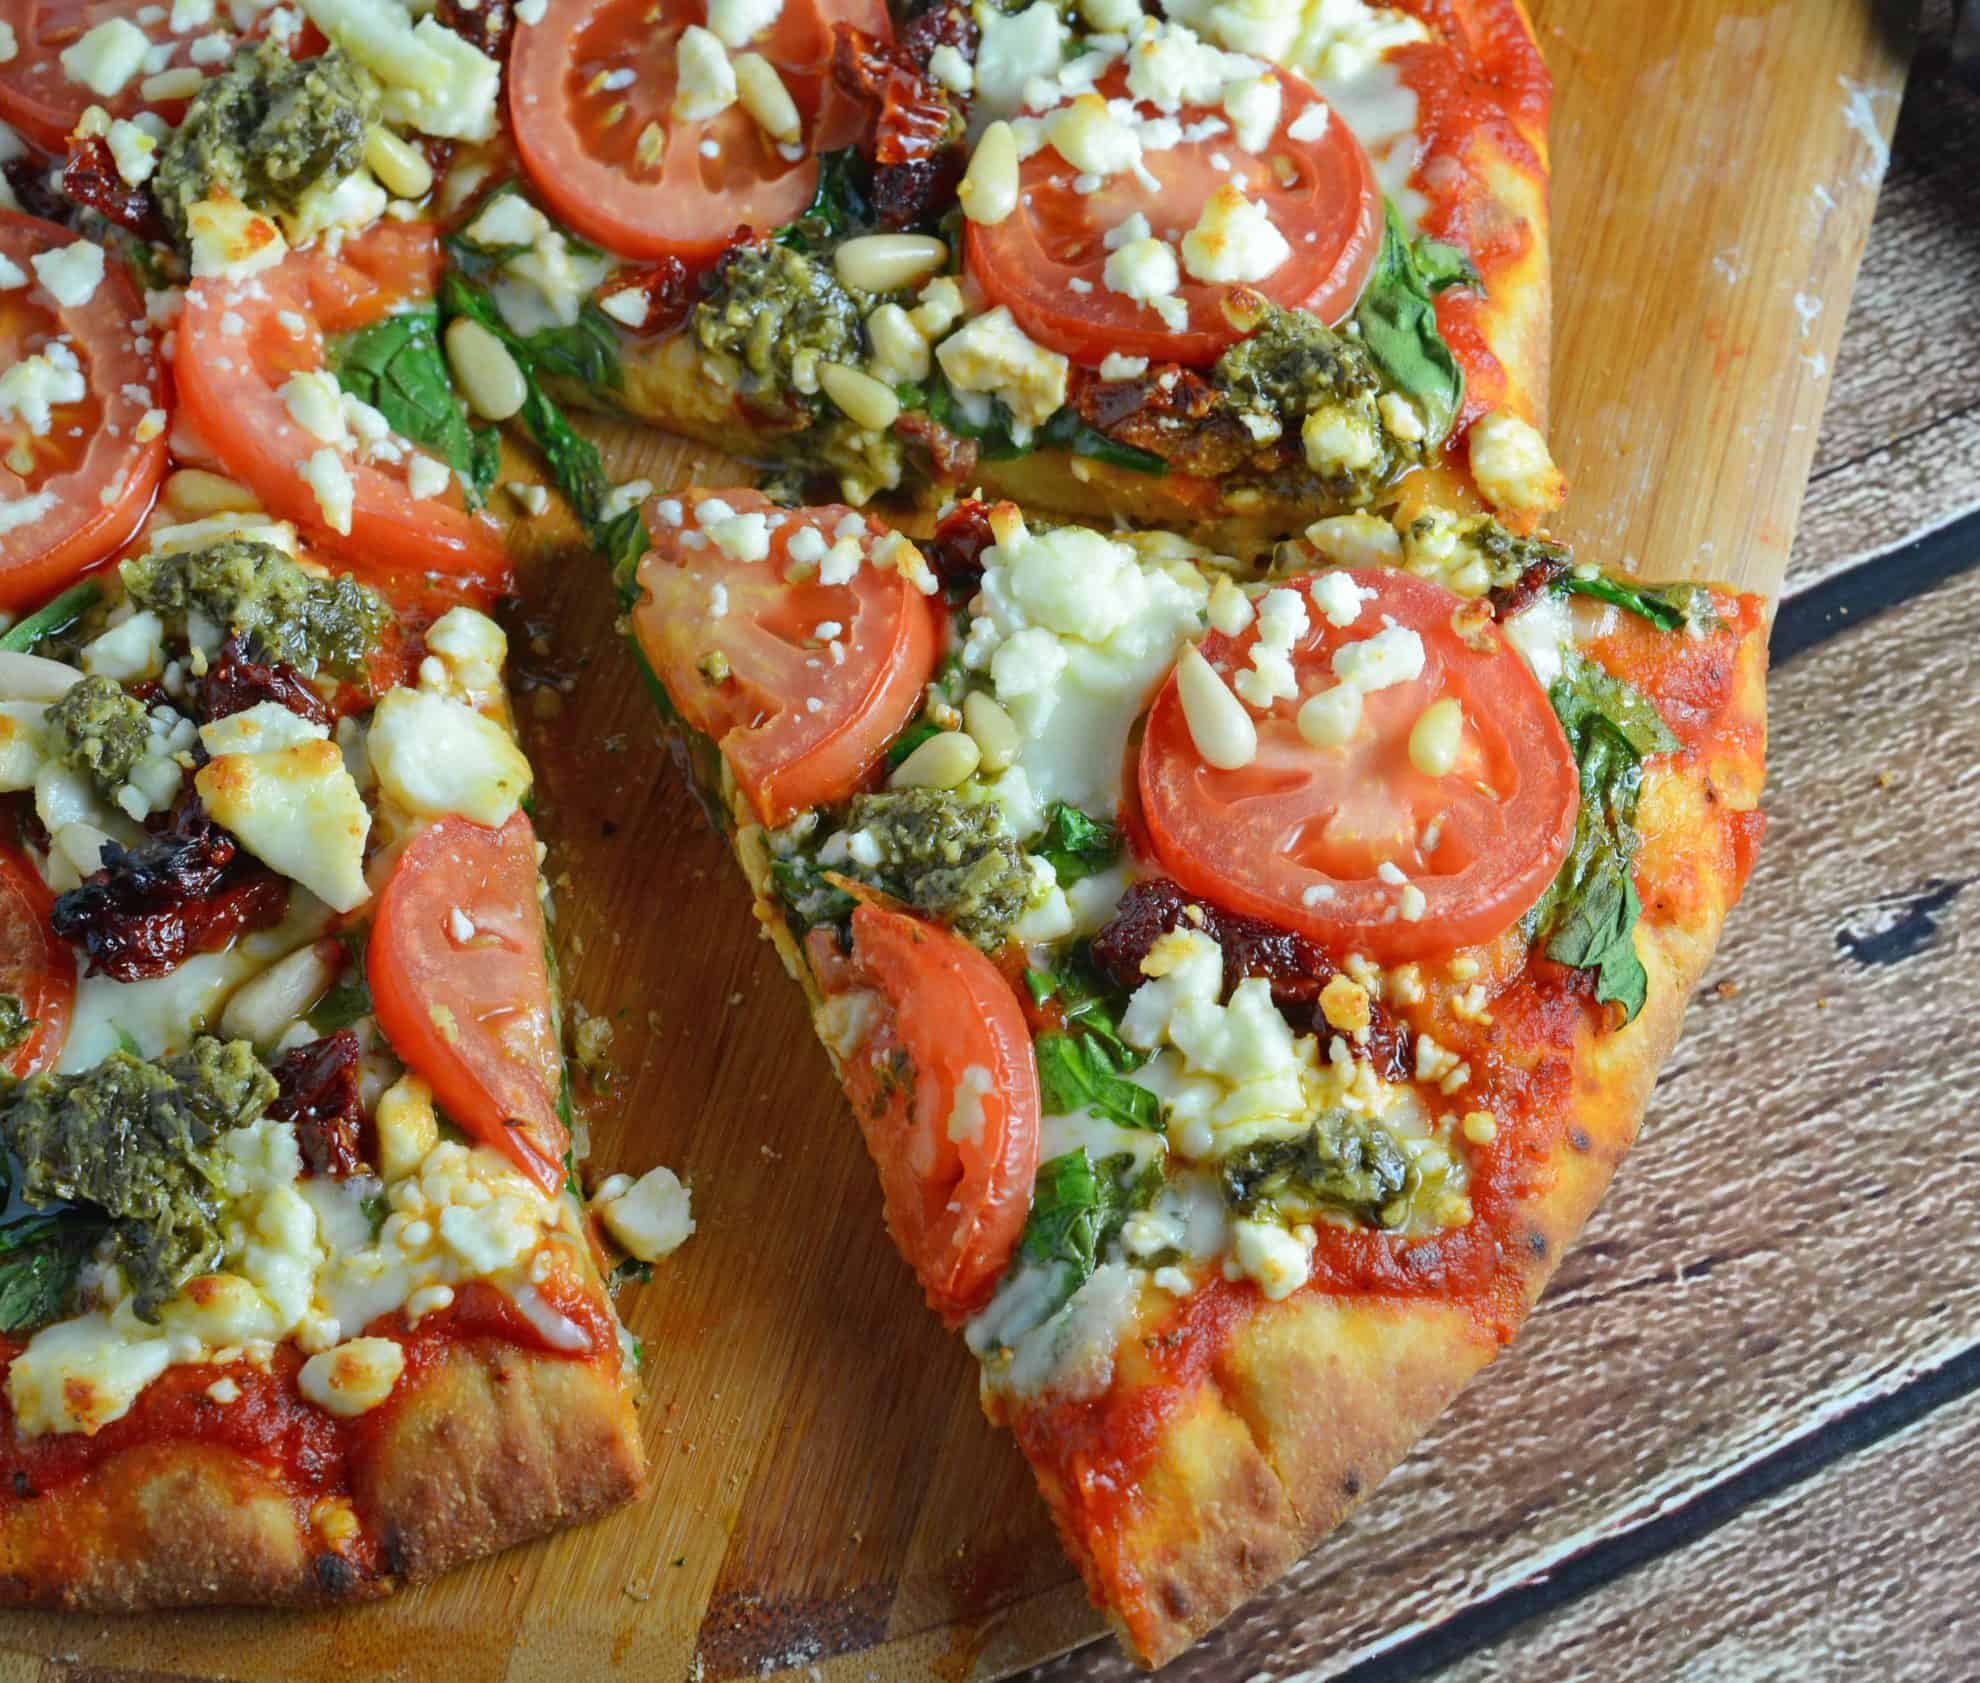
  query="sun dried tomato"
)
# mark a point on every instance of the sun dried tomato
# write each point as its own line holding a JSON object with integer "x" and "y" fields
{"x": 961, "y": 537}
{"x": 90, "y": 178}
{"x": 233, "y": 684}
{"x": 1532, "y": 582}
{"x": 319, "y": 1094}
{"x": 914, "y": 195}
{"x": 488, "y": 25}
{"x": 914, "y": 115}
{"x": 666, "y": 290}
{"x": 188, "y": 889}
{"x": 29, "y": 182}
{"x": 1172, "y": 412}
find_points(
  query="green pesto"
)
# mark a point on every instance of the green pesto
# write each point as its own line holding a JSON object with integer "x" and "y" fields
{"x": 100, "y": 731}
{"x": 267, "y": 129}
{"x": 1342, "y": 1165}
{"x": 951, "y": 859}
{"x": 140, "y": 1141}
{"x": 1506, "y": 554}
{"x": 15, "y": 1024}
{"x": 261, "y": 595}
{"x": 776, "y": 314}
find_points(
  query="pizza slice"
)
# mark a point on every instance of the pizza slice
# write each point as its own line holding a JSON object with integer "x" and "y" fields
{"x": 297, "y": 1299}
{"x": 1245, "y": 990}
{"x": 1223, "y": 268}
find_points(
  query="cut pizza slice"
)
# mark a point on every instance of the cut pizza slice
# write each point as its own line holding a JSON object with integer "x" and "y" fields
{"x": 1245, "y": 990}
{"x": 1223, "y": 270}
{"x": 297, "y": 1300}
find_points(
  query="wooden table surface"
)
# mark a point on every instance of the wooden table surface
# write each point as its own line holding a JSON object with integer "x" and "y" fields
{"x": 1740, "y": 1440}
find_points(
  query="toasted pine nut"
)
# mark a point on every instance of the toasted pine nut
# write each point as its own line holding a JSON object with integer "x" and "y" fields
{"x": 401, "y": 168}
{"x": 196, "y": 494}
{"x": 941, "y": 762}
{"x": 992, "y": 729}
{"x": 889, "y": 262}
{"x": 763, "y": 95}
{"x": 861, "y": 397}
{"x": 1218, "y": 724}
{"x": 989, "y": 190}
{"x": 27, "y": 677}
{"x": 261, "y": 1008}
{"x": 488, "y": 375}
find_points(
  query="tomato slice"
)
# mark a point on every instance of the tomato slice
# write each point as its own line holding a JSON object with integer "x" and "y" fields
{"x": 36, "y": 94}
{"x": 37, "y": 967}
{"x": 1302, "y": 834}
{"x": 594, "y": 76}
{"x": 472, "y": 1017}
{"x": 89, "y": 473}
{"x": 746, "y": 650}
{"x": 1047, "y": 259}
{"x": 954, "y": 1134}
{"x": 239, "y": 343}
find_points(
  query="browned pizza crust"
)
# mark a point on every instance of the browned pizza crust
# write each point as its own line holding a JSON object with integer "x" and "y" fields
{"x": 493, "y": 1445}
{"x": 1316, "y": 1398}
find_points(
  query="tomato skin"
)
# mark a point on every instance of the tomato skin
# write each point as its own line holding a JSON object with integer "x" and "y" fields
{"x": 474, "y": 1021}
{"x": 687, "y": 204}
{"x": 1296, "y": 836}
{"x": 956, "y": 1207}
{"x": 786, "y": 755}
{"x": 36, "y": 966}
{"x": 1030, "y": 260}
{"x": 235, "y": 351}
{"x": 103, "y": 486}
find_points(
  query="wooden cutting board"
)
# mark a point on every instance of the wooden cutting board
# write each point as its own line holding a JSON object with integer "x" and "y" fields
{"x": 828, "y": 1500}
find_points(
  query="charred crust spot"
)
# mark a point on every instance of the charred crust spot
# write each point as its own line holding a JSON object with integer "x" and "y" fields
{"x": 1175, "y": 1599}
{"x": 1578, "y": 1138}
{"x": 335, "y": 1575}
{"x": 23, "y": 1486}
{"x": 1350, "y": 1483}
{"x": 1536, "y": 1242}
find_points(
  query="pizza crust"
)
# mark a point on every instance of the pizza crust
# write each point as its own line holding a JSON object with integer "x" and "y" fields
{"x": 493, "y": 1445}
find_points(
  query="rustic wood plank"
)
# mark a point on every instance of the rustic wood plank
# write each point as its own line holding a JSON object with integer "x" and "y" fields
{"x": 1899, "y": 451}
{"x": 1865, "y": 1571}
{"x": 1740, "y": 1287}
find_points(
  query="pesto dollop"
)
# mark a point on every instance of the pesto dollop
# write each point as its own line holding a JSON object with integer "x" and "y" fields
{"x": 100, "y": 731}
{"x": 267, "y": 129}
{"x": 1342, "y": 1165}
{"x": 253, "y": 590}
{"x": 15, "y": 1024}
{"x": 777, "y": 314}
{"x": 138, "y": 1140}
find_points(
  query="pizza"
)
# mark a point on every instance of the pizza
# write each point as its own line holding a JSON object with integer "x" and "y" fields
{"x": 1245, "y": 873}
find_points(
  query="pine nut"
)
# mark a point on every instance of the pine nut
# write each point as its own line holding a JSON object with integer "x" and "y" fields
{"x": 260, "y": 1009}
{"x": 181, "y": 83}
{"x": 862, "y": 399}
{"x": 1356, "y": 540}
{"x": 941, "y": 762}
{"x": 400, "y": 167}
{"x": 27, "y": 677}
{"x": 989, "y": 190}
{"x": 488, "y": 375}
{"x": 1436, "y": 737}
{"x": 1329, "y": 719}
{"x": 764, "y": 96}
{"x": 992, "y": 729}
{"x": 900, "y": 354}
{"x": 196, "y": 494}
{"x": 1218, "y": 724}
{"x": 889, "y": 262}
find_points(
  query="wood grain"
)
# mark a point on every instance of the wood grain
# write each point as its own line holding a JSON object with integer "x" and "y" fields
{"x": 1866, "y": 1573}
{"x": 830, "y": 1501}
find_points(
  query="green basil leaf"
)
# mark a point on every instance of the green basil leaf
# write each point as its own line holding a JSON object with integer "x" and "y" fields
{"x": 52, "y": 620}
{"x": 1398, "y": 321}
{"x": 1066, "y": 431}
{"x": 587, "y": 351}
{"x": 910, "y": 739}
{"x": 1076, "y": 1073}
{"x": 841, "y": 205}
{"x": 397, "y": 366}
{"x": 1077, "y": 845}
{"x": 39, "y": 1261}
{"x": 1653, "y": 605}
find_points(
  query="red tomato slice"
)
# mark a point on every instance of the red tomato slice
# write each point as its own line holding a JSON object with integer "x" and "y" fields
{"x": 1300, "y": 834}
{"x": 36, "y": 94}
{"x": 36, "y": 966}
{"x": 579, "y": 133}
{"x": 954, "y": 1133}
{"x": 1047, "y": 259}
{"x": 239, "y": 343}
{"x": 800, "y": 726}
{"x": 472, "y": 1018}
{"x": 89, "y": 464}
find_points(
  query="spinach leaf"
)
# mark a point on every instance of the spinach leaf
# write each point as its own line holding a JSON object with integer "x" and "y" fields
{"x": 587, "y": 351}
{"x": 573, "y": 460}
{"x": 396, "y": 365}
{"x": 1669, "y": 608}
{"x": 995, "y": 443}
{"x": 52, "y": 620}
{"x": 1076, "y": 1072}
{"x": 910, "y": 739}
{"x": 1086, "y": 1001}
{"x": 1078, "y": 1206}
{"x": 1587, "y": 918}
{"x": 1398, "y": 321}
{"x": 1066, "y": 431}
{"x": 350, "y": 998}
{"x": 39, "y": 1261}
{"x": 842, "y": 205}
{"x": 1077, "y": 845}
